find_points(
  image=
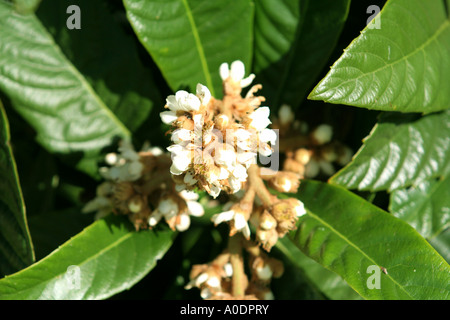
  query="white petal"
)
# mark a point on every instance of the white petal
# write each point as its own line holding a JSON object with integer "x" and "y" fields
{"x": 237, "y": 71}
{"x": 181, "y": 162}
{"x": 300, "y": 209}
{"x": 223, "y": 216}
{"x": 235, "y": 184}
{"x": 203, "y": 93}
{"x": 184, "y": 222}
{"x": 189, "y": 102}
{"x": 172, "y": 103}
{"x": 246, "y": 158}
{"x": 195, "y": 209}
{"x": 265, "y": 150}
{"x": 168, "y": 208}
{"x": 224, "y": 174}
{"x": 168, "y": 117}
{"x": 189, "y": 195}
{"x": 239, "y": 221}
{"x": 156, "y": 151}
{"x": 260, "y": 118}
{"x": 240, "y": 172}
{"x": 225, "y": 157}
{"x": 268, "y": 135}
{"x": 214, "y": 191}
{"x": 228, "y": 268}
{"x": 246, "y": 231}
{"x": 154, "y": 218}
{"x": 247, "y": 81}
{"x": 224, "y": 71}
{"x": 181, "y": 135}
{"x": 189, "y": 178}
{"x": 213, "y": 282}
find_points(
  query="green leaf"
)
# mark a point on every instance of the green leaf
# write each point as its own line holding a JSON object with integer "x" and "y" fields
{"x": 123, "y": 83}
{"x": 293, "y": 41}
{"x": 111, "y": 257}
{"x": 401, "y": 66}
{"x": 441, "y": 243}
{"x": 26, "y": 6}
{"x": 46, "y": 89}
{"x": 402, "y": 150}
{"x": 426, "y": 206}
{"x": 328, "y": 282}
{"x": 16, "y": 249}
{"x": 189, "y": 39}
{"x": 347, "y": 235}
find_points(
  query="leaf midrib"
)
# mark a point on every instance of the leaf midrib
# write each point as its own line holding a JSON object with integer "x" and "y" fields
{"x": 199, "y": 47}
{"x": 344, "y": 238}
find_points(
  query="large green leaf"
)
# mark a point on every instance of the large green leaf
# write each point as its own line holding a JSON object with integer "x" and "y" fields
{"x": 328, "y": 282}
{"x": 293, "y": 40}
{"x": 189, "y": 39}
{"x": 402, "y": 150}
{"x": 348, "y": 235}
{"x": 401, "y": 66}
{"x": 106, "y": 56}
{"x": 426, "y": 206}
{"x": 441, "y": 243}
{"x": 26, "y": 6}
{"x": 16, "y": 249}
{"x": 108, "y": 256}
{"x": 46, "y": 89}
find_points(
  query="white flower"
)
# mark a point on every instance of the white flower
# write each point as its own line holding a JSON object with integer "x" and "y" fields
{"x": 184, "y": 101}
{"x": 236, "y": 73}
{"x": 285, "y": 114}
{"x": 268, "y": 135}
{"x": 183, "y": 222}
{"x": 240, "y": 223}
{"x": 225, "y": 157}
{"x": 260, "y": 118}
{"x": 203, "y": 94}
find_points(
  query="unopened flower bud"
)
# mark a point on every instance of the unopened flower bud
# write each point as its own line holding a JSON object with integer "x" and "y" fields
{"x": 286, "y": 182}
{"x": 267, "y": 222}
{"x": 303, "y": 155}
{"x": 267, "y": 238}
{"x": 322, "y": 134}
{"x": 285, "y": 114}
{"x": 135, "y": 204}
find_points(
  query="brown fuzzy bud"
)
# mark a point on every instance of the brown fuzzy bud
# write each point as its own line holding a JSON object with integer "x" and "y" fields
{"x": 267, "y": 238}
{"x": 285, "y": 181}
{"x": 294, "y": 166}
